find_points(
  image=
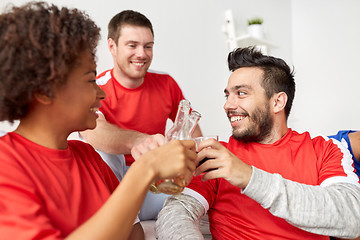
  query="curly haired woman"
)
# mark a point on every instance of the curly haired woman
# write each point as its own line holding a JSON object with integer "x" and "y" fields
{"x": 50, "y": 187}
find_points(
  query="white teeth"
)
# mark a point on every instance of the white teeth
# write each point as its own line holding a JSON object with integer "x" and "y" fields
{"x": 94, "y": 110}
{"x": 236, "y": 118}
{"x": 138, "y": 64}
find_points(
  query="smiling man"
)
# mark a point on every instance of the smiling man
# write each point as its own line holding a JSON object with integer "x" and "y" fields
{"x": 268, "y": 181}
{"x": 139, "y": 102}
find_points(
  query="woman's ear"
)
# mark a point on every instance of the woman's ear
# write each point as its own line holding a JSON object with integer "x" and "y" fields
{"x": 279, "y": 101}
{"x": 42, "y": 98}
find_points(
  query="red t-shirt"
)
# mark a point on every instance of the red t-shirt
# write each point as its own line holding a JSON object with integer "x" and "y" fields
{"x": 145, "y": 108}
{"x": 296, "y": 157}
{"x": 47, "y": 193}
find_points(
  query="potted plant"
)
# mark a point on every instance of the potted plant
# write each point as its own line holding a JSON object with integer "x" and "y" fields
{"x": 255, "y": 27}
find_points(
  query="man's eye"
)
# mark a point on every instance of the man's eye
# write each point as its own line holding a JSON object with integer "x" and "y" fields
{"x": 240, "y": 93}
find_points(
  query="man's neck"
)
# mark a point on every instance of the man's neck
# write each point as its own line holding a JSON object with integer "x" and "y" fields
{"x": 278, "y": 130}
{"x": 125, "y": 81}
{"x": 276, "y": 134}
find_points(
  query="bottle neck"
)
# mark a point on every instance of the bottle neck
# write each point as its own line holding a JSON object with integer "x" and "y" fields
{"x": 193, "y": 120}
{"x": 183, "y": 111}
{"x": 184, "y": 124}
{"x": 179, "y": 129}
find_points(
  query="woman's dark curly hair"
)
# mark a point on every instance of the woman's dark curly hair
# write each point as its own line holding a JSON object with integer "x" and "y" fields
{"x": 39, "y": 43}
{"x": 278, "y": 77}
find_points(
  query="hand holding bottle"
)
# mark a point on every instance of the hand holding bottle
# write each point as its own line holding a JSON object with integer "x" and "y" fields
{"x": 181, "y": 164}
{"x": 182, "y": 129}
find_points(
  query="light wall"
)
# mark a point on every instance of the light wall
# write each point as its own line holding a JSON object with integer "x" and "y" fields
{"x": 190, "y": 45}
{"x": 326, "y": 56}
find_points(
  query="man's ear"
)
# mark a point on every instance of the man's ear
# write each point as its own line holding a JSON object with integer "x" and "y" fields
{"x": 112, "y": 46}
{"x": 279, "y": 101}
{"x": 42, "y": 98}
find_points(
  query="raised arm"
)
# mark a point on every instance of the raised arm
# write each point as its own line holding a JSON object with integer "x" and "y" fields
{"x": 332, "y": 210}
{"x": 115, "y": 218}
{"x": 111, "y": 139}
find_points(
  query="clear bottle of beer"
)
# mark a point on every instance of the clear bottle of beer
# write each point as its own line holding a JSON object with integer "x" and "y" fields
{"x": 182, "y": 129}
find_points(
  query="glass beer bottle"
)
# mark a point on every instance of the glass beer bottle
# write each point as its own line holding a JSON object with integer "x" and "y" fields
{"x": 182, "y": 129}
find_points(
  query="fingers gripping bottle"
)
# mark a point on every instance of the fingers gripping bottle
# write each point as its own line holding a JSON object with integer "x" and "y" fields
{"x": 182, "y": 129}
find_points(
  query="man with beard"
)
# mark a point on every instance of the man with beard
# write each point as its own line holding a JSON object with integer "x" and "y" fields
{"x": 268, "y": 181}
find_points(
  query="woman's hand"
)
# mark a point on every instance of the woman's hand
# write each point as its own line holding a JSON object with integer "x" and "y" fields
{"x": 173, "y": 159}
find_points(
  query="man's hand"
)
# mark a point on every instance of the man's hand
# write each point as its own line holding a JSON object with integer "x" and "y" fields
{"x": 222, "y": 164}
{"x": 146, "y": 143}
